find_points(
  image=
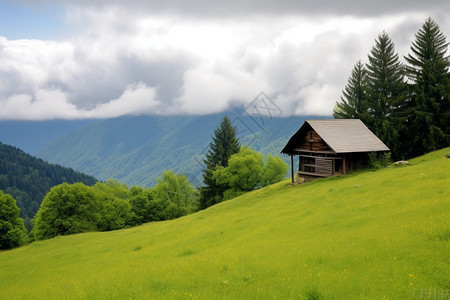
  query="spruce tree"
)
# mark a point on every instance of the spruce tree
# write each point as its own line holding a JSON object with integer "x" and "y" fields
{"x": 353, "y": 99}
{"x": 386, "y": 93}
{"x": 429, "y": 108}
{"x": 224, "y": 144}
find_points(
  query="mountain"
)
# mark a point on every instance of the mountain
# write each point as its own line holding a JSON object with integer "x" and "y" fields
{"x": 30, "y": 136}
{"x": 136, "y": 150}
{"x": 28, "y": 179}
{"x": 369, "y": 235}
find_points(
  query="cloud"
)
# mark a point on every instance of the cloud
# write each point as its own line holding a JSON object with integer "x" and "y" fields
{"x": 244, "y": 8}
{"x": 46, "y": 104}
{"x": 125, "y": 60}
{"x": 137, "y": 99}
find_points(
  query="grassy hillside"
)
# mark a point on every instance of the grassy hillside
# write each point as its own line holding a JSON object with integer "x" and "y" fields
{"x": 370, "y": 235}
{"x": 136, "y": 150}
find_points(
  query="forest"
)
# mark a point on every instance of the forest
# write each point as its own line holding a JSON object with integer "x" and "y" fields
{"x": 406, "y": 105}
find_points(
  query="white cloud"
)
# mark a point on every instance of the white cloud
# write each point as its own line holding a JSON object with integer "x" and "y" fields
{"x": 124, "y": 61}
{"x": 46, "y": 104}
{"x": 137, "y": 99}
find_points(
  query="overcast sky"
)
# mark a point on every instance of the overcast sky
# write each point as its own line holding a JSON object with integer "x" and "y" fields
{"x": 101, "y": 59}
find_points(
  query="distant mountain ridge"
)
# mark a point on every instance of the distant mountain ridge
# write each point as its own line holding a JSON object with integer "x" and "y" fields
{"x": 28, "y": 179}
{"x": 136, "y": 150}
{"x": 30, "y": 136}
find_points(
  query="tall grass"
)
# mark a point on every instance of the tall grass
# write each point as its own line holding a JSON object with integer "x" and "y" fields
{"x": 369, "y": 235}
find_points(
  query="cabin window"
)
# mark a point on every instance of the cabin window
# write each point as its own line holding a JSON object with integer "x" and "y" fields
{"x": 311, "y": 136}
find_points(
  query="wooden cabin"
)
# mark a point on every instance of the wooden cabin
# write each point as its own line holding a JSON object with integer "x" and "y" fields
{"x": 334, "y": 146}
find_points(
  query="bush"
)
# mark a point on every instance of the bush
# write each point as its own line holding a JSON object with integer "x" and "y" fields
{"x": 379, "y": 160}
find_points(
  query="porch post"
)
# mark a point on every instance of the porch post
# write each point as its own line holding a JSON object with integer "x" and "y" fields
{"x": 292, "y": 168}
{"x": 344, "y": 165}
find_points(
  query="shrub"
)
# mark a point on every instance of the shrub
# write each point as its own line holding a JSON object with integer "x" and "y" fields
{"x": 379, "y": 160}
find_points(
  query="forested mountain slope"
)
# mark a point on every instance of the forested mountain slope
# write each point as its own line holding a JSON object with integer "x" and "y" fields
{"x": 28, "y": 179}
{"x": 136, "y": 150}
{"x": 31, "y": 136}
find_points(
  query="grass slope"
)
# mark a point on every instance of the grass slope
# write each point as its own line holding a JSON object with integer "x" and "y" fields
{"x": 369, "y": 235}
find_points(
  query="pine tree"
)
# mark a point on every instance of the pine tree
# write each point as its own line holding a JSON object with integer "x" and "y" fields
{"x": 353, "y": 99}
{"x": 386, "y": 93}
{"x": 223, "y": 145}
{"x": 428, "y": 71}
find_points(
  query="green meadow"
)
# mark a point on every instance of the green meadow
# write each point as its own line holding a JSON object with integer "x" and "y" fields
{"x": 369, "y": 235}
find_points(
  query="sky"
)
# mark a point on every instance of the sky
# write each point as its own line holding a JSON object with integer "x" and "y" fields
{"x": 90, "y": 59}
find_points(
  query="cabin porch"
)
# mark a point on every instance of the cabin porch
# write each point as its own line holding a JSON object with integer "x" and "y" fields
{"x": 317, "y": 164}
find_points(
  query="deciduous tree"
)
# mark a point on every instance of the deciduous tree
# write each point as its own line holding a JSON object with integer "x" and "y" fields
{"x": 275, "y": 170}
{"x": 177, "y": 191}
{"x": 246, "y": 171}
{"x": 12, "y": 228}
{"x": 67, "y": 209}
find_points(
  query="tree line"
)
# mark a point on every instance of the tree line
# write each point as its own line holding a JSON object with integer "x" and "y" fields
{"x": 406, "y": 105}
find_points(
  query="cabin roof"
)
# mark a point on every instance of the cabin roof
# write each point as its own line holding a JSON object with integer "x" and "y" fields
{"x": 341, "y": 135}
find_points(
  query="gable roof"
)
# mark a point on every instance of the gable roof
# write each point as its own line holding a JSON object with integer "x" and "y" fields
{"x": 341, "y": 135}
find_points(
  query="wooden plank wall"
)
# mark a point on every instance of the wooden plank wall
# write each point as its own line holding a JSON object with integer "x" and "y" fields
{"x": 324, "y": 166}
{"x": 316, "y": 144}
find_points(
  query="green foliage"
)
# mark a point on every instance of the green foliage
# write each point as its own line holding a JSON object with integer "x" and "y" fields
{"x": 76, "y": 208}
{"x": 176, "y": 190}
{"x": 246, "y": 171}
{"x": 275, "y": 170}
{"x": 429, "y": 106}
{"x": 327, "y": 239}
{"x": 12, "y": 228}
{"x": 224, "y": 144}
{"x": 68, "y": 209}
{"x": 115, "y": 208}
{"x": 353, "y": 103}
{"x": 144, "y": 207}
{"x": 379, "y": 160}
{"x": 113, "y": 187}
{"x": 28, "y": 179}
